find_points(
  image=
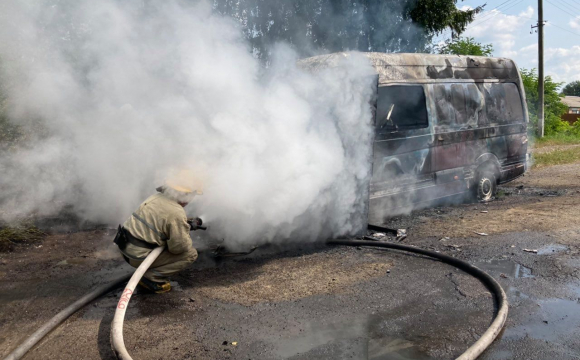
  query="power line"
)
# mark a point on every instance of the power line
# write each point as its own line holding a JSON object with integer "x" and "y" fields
{"x": 490, "y": 13}
{"x": 497, "y": 13}
{"x": 566, "y": 11}
{"x": 570, "y": 31}
{"x": 572, "y": 6}
{"x": 558, "y": 26}
{"x": 503, "y": 4}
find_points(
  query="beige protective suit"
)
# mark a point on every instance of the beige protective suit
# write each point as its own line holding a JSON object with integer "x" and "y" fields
{"x": 169, "y": 219}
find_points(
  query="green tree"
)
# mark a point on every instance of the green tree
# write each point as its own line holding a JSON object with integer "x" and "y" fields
{"x": 553, "y": 106}
{"x": 572, "y": 89}
{"x": 466, "y": 46}
{"x": 315, "y": 26}
{"x": 438, "y": 15}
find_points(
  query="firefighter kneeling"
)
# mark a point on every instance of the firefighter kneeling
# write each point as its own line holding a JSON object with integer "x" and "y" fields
{"x": 161, "y": 221}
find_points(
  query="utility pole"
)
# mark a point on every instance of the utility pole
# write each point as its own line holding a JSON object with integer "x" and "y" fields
{"x": 541, "y": 68}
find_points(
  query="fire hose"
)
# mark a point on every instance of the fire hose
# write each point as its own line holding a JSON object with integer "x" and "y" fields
{"x": 117, "y": 325}
{"x": 62, "y": 316}
{"x": 493, "y": 286}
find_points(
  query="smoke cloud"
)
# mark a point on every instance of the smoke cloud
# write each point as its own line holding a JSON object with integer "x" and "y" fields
{"x": 120, "y": 93}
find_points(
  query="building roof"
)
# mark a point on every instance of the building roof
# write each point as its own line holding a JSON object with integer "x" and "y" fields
{"x": 571, "y": 101}
{"x": 409, "y": 67}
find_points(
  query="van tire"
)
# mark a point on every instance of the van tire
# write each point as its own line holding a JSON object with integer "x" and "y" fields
{"x": 486, "y": 186}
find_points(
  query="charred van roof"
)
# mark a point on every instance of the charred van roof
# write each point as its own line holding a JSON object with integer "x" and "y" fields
{"x": 425, "y": 67}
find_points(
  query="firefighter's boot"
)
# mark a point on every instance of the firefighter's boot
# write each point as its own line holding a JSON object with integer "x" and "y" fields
{"x": 154, "y": 286}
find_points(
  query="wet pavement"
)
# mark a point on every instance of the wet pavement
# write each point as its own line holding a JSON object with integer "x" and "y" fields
{"x": 505, "y": 268}
{"x": 415, "y": 308}
{"x": 318, "y": 302}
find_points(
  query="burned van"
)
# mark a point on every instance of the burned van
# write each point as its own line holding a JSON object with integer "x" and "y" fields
{"x": 445, "y": 126}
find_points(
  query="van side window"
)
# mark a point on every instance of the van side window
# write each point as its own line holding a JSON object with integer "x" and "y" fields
{"x": 401, "y": 108}
{"x": 503, "y": 103}
{"x": 495, "y": 103}
{"x": 475, "y": 106}
{"x": 445, "y": 113}
{"x": 515, "y": 112}
{"x": 458, "y": 105}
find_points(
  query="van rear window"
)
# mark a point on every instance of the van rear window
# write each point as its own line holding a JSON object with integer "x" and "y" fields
{"x": 401, "y": 107}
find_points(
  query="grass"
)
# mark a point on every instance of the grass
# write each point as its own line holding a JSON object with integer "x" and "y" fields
{"x": 500, "y": 194}
{"x": 557, "y": 139}
{"x": 557, "y": 157}
{"x": 22, "y": 234}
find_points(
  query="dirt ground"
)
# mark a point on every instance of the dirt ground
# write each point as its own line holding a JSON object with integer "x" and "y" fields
{"x": 550, "y": 148}
{"x": 318, "y": 302}
{"x": 288, "y": 279}
{"x": 544, "y": 199}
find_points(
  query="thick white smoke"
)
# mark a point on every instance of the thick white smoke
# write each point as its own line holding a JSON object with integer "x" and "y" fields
{"x": 126, "y": 91}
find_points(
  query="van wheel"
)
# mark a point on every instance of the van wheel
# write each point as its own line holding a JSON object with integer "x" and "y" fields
{"x": 486, "y": 185}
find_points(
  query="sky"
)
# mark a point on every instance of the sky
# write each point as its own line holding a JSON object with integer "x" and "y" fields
{"x": 506, "y": 25}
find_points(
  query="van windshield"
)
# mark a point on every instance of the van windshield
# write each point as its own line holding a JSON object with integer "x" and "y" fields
{"x": 401, "y": 108}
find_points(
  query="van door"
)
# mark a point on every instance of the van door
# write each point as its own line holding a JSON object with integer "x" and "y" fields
{"x": 459, "y": 126}
{"x": 401, "y": 149}
{"x": 508, "y": 142}
{"x": 449, "y": 106}
{"x": 518, "y": 139}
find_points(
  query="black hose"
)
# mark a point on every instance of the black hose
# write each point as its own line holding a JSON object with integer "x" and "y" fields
{"x": 494, "y": 287}
{"x": 484, "y": 277}
{"x": 471, "y": 353}
{"x": 63, "y": 315}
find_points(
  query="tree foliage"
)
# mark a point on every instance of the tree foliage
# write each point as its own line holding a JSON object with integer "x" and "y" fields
{"x": 572, "y": 89}
{"x": 553, "y": 106}
{"x": 438, "y": 15}
{"x": 466, "y": 46}
{"x": 315, "y": 26}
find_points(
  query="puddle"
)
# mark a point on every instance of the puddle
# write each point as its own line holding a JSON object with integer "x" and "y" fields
{"x": 351, "y": 331}
{"x": 552, "y": 249}
{"x": 394, "y": 349}
{"x": 73, "y": 261}
{"x": 575, "y": 289}
{"x": 316, "y": 335}
{"x": 555, "y": 319}
{"x": 507, "y": 267}
{"x": 575, "y": 263}
{"x": 512, "y": 291}
{"x": 498, "y": 355}
{"x": 546, "y": 320}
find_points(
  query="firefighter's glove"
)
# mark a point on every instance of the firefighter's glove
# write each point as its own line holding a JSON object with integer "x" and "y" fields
{"x": 194, "y": 223}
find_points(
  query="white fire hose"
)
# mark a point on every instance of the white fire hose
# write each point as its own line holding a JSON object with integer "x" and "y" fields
{"x": 117, "y": 325}
{"x": 47, "y": 327}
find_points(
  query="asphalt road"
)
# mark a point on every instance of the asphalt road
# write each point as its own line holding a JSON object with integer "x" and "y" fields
{"x": 319, "y": 302}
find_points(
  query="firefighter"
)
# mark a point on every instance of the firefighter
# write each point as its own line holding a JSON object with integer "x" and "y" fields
{"x": 161, "y": 221}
